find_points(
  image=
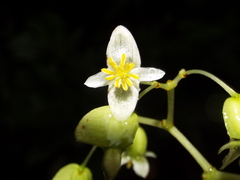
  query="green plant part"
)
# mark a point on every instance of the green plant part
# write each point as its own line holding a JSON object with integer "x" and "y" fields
{"x": 111, "y": 162}
{"x": 135, "y": 155}
{"x": 73, "y": 171}
{"x": 214, "y": 174}
{"x": 231, "y": 116}
{"x": 100, "y": 128}
{"x": 234, "y": 152}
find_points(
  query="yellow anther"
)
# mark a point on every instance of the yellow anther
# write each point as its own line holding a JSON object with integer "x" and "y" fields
{"x": 129, "y": 165}
{"x": 129, "y": 67}
{"x": 124, "y": 85}
{"x": 109, "y": 78}
{"x": 129, "y": 82}
{"x": 118, "y": 82}
{"x": 123, "y": 60}
{"x": 120, "y": 73}
{"x": 134, "y": 76}
{"x": 107, "y": 71}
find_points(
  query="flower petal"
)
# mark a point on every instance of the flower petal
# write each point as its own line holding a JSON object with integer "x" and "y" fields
{"x": 122, "y": 103}
{"x": 141, "y": 166}
{"x": 97, "y": 80}
{"x": 125, "y": 158}
{"x": 148, "y": 74}
{"x": 150, "y": 154}
{"x": 122, "y": 42}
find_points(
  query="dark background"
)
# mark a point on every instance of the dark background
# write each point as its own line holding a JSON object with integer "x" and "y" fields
{"x": 49, "y": 48}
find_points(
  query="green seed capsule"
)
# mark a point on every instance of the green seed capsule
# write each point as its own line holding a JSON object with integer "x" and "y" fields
{"x": 231, "y": 116}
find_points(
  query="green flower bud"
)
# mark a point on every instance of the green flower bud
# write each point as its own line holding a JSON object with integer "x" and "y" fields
{"x": 111, "y": 162}
{"x": 231, "y": 115}
{"x": 100, "y": 128}
{"x": 73, "y": 171}
{"x": 139, "y": 146}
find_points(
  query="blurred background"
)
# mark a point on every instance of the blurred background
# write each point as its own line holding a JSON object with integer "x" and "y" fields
{"x": 49, "y": 48}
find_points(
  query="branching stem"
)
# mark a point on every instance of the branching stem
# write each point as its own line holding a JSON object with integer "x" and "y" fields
{"x": 89, "y": 156}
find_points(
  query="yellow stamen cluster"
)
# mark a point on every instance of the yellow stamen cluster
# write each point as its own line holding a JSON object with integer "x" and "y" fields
{"x": 120, "y": 73}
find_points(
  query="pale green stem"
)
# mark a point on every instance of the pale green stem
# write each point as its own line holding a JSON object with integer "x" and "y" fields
{"x": 170, "y": 113}
{"x": 229, "y": 90}
{"x": 210, "y": 173}
{"x": 205, "y": 165}
{"x": 88, "y": 156}
{"x": 170, "y": 85}
{"x": 150, "y": 122}
{"x": 214, "y": 174}
{"x": 168, "y": 124}
{"x": 182, "y": 74}
{"x": 153, "y": 85}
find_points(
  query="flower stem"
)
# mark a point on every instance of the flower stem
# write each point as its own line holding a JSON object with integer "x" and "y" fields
{"x": 88, "y": 156}
{"x": 210, "y": 173}
{"x": 219, "y": 175}
{"x": 150, "y": 122}
{"x": 205, "y": 165}
{"x": 170, "y": 113}
{"x": 153, "y": 85}
{"x": 229, "y": 90}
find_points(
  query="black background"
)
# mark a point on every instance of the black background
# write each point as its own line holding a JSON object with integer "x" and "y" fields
{"x": 49, "y": 48}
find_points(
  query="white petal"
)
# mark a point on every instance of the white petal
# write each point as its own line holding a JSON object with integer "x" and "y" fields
{"x": 141, "y": 167}
{"x": 125, "y": 159}
{"x": 149, "y": 74}
{"x": 96, "y": 80}
{"x": 122, "y": 41}
{"x": 150, "y": 154}
{"x": 122, "y": 103}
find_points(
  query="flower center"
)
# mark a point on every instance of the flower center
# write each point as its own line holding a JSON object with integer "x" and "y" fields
{"x": 120, "y": 73}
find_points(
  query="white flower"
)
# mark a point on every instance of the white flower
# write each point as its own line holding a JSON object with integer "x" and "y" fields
{"x": 135, "y": 155}
{"x": 139, "y": 163}
{"x": 123, "y": 74}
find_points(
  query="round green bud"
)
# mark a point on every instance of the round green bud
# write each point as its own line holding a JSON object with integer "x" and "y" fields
{"x": 231, "y": 116}
{"x": 73, "y": 171}
{"x": 139, "y": 146}
{"x": 100, "y": 128}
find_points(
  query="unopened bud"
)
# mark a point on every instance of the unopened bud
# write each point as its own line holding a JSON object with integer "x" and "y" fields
{"x": 111, "y": 162}
{"x": 139, "y": 146}
{"x": 100, "y": 128}
{"x": 73, "y": 171}
{"x": 231, "y": 115}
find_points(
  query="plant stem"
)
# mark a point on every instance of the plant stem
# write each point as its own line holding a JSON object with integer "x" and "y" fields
{"x": 214, "y": 174}
{"x": 229, "y": 90}
{"x": 150, "y": 122}
{"x": 152, "y": 85}
{"x": 210, "y": 173}
{"x": 170, "y": 113}
{"x": 89, "y": 156}
{"x": 205, "y": 165}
